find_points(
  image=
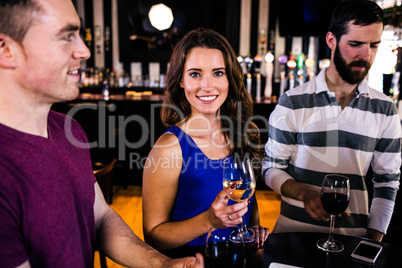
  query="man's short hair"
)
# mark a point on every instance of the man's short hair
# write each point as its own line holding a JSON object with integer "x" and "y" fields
{"x": 17, "y": 16}
{"x": 360, "y": 12}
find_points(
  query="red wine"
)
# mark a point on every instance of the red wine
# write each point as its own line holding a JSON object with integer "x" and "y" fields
{"x": 334, "y": 203}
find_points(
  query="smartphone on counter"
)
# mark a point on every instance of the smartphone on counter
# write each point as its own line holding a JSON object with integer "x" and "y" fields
{"x": 366, "y": 252}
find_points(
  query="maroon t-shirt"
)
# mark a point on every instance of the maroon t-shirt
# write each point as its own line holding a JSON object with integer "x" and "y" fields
{"x": 46, "y": 197}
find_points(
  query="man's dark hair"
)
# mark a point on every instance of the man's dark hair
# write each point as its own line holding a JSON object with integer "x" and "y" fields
{"x": 359, "y": 12}
{"x": 16, "y": 16}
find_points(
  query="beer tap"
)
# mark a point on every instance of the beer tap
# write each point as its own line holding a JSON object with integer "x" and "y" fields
{"x": 257, "y": 73}
{"x": 300, "y": 65}
{"x": 240, "y": 59}
{"x": 249, "y": 63}
{"x": 269, "y": 69}
{"x": 309, "y": 64}
{"x": 282, "y": 60}
{"x": 291, "y": 65}
{"x": 324, "y": 63}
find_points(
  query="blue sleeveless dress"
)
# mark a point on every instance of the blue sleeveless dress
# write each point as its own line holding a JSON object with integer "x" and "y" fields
{"x": 200, "y": 182}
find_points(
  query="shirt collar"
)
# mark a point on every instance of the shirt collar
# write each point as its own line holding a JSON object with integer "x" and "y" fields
{"x": 362, "y": 89}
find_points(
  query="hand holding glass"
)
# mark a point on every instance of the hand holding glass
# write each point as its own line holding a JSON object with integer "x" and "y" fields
{"x": 335, "y": 195}
{"x": 241, "y": 174}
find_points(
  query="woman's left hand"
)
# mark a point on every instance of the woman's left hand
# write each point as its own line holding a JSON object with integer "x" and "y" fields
{"x": 261, "y": 234}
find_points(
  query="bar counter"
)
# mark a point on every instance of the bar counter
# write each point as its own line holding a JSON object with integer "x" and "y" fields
{"x": 299, "y": 249}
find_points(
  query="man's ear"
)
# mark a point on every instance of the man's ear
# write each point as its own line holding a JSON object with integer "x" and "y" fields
{"x": 331, "y": 40}
{"x": 7, "y": 52}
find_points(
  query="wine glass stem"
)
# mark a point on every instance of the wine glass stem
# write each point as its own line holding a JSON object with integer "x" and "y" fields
{"x": 243, "y": 225}
{"x": 244, "y": 230}
{"x": 331, "y": 230}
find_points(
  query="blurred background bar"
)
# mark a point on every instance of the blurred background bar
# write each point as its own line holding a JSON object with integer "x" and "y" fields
{"x": 121, "y": 33}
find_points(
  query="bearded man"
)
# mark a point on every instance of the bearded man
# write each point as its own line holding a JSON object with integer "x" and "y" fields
{"x": 337, "y": 124}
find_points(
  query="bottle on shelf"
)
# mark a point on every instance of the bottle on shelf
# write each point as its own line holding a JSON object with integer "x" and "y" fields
{"x": 88, "y": 38}
{"x": 105, "y": 90}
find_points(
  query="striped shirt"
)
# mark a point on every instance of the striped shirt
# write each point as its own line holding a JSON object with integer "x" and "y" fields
{"x": 311, "y": 136}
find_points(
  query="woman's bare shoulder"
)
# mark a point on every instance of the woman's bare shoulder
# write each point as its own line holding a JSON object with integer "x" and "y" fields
{"x": 166, "y": 144}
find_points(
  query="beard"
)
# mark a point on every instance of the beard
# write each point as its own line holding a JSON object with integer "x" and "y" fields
{"x": 346, "y": 71}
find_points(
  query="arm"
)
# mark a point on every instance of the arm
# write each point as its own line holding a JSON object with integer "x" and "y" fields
{"x": 120, "y": 243}
{"x": 386, "y": 165}
{"x": 281, "y": 182}
{"x": 309, "y": 195}
{"x": 279, "y": 149}
{"x": 160, "y": 187}
{"x": 13, "y": 252}
{"x": 374, "y": 235}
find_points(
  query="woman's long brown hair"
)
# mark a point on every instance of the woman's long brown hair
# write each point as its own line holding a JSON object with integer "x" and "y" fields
{"x": 236, "y": 112}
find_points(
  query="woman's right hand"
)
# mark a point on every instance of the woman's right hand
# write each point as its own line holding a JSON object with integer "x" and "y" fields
{"x": 221, "y": 215}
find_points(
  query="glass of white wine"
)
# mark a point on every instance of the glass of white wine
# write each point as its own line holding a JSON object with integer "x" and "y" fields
{"x": 240, "y": 173}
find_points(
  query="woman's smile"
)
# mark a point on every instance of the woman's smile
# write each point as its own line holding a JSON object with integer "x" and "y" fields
{"x": 209, "y": 98}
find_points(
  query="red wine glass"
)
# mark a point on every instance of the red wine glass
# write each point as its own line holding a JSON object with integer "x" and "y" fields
{"x": 335, "y": 195}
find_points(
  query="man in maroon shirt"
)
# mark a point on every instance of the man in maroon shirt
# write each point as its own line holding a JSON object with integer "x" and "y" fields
{"x": 52, "y": 211}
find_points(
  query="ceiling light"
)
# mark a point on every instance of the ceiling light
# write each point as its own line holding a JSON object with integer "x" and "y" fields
{"x": 160, "y": 16}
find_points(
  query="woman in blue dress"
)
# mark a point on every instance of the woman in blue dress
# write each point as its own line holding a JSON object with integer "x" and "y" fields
{"x": 208, "y": 110}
